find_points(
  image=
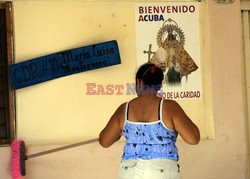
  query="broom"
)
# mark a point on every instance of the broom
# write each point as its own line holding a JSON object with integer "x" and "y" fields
{"x": 18, "y": 156}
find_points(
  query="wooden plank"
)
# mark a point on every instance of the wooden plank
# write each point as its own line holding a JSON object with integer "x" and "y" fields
{"x": 10, "y": 52}
{"x": 64, "y": 63}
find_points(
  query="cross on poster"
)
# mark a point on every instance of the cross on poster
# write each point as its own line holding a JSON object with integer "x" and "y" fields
{"x": 167, "y": 34}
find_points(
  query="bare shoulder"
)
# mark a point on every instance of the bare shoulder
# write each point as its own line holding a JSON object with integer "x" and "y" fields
{"x": 171, "y": 105}
{"x": 120, "y": 111}
{"x": 120, "y": 114}
{"x": 121, "y": 108}
{"x": 170, "y": 102}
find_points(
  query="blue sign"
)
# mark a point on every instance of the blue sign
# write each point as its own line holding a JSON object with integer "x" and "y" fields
{"x": 64, "y": 63}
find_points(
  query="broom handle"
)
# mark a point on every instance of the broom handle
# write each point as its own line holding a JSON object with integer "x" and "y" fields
{"x": 62, "y": 148}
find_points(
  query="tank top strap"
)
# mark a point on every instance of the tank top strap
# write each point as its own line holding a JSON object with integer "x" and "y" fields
{"x": 160, "y": 109}
{"x": 126, "y": 112}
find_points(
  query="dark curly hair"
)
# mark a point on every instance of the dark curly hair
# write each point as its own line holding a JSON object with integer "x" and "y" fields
{"x": 151, "y": 75}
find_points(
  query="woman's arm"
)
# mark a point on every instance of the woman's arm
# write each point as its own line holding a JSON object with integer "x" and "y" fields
{"x": 184, "y": 126}
{"x": 112, "y": 132}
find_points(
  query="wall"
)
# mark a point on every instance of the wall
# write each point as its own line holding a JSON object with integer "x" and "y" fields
{"x": 223, "y": 157}
{"x": 62, "y": 104}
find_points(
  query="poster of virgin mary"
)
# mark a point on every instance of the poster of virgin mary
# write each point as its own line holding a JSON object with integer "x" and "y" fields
{"x": 172, "y": 44}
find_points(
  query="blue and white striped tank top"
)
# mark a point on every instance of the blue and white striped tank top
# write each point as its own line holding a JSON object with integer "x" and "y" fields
{"x": 148, "y": 140}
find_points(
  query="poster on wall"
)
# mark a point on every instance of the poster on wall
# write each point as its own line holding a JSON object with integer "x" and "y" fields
{"x": 168, "y": 35}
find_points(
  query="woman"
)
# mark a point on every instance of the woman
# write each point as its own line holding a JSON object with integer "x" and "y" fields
{"x": 150, "y": 126}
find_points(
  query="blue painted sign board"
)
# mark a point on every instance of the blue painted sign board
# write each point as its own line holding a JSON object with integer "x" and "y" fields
{"x": 64, "y": 63}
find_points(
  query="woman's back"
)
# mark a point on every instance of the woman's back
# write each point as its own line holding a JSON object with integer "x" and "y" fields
{"x": 144, "y": 109}
{"x": 147, "y": 110}
{"x": 148, "y": 137}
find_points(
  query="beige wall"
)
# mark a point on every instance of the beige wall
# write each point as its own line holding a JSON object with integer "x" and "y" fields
{"x": 223, "y": 157}
{"x": 61, "y": 106}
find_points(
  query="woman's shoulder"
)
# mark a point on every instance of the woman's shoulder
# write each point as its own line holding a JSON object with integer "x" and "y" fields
{"x": 121, "y": 109}
{"x": 171, "y": 105}
{"x": 170, "y": 102}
